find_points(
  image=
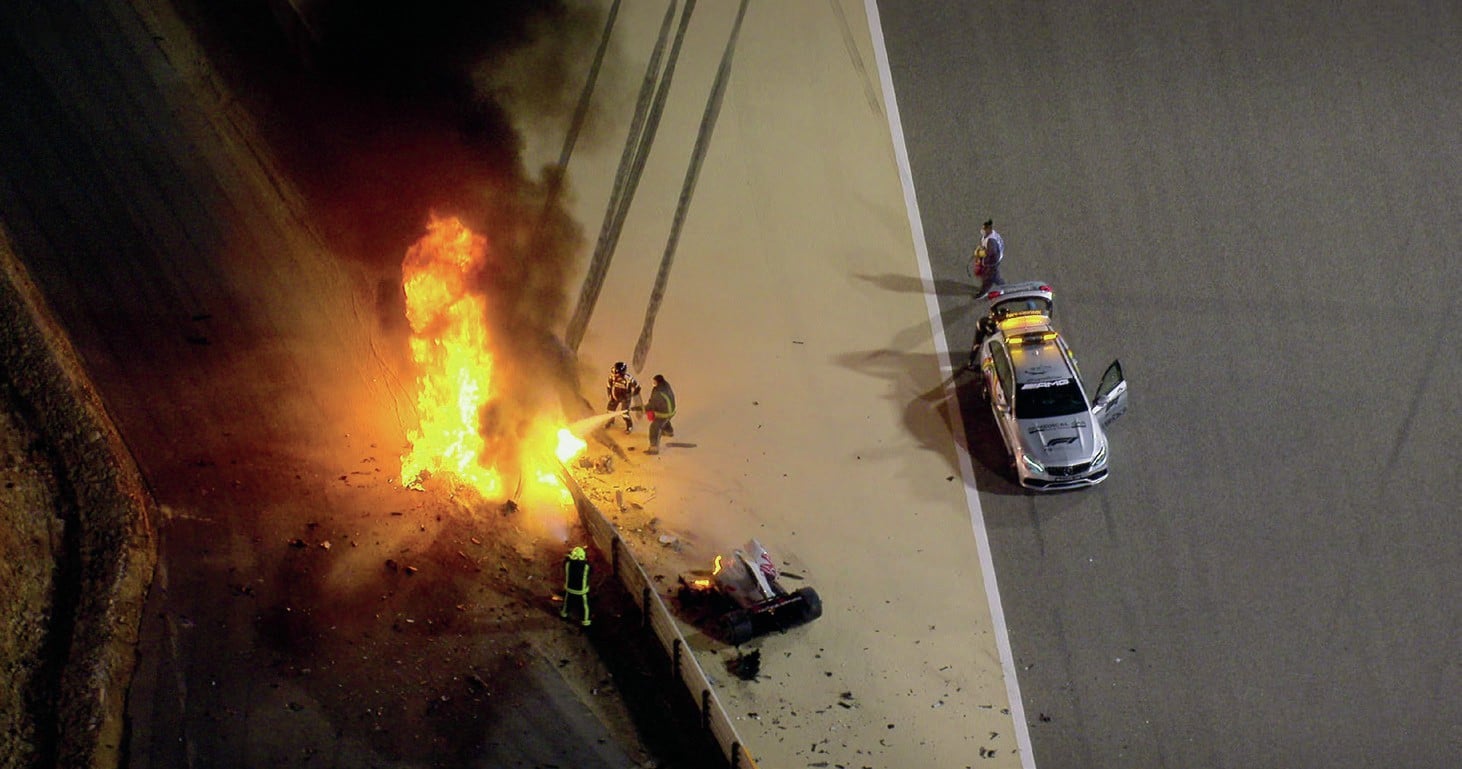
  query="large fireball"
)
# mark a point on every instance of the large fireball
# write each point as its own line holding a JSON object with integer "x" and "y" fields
{"x": 468, "y": 428}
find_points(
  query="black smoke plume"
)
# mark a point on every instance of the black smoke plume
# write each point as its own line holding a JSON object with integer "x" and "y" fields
{"x": 383, "y": 112}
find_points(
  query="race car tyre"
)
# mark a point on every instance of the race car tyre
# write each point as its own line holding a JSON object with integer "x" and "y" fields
{"x": 811, "y": 604}
{"x": 736, "y": 627}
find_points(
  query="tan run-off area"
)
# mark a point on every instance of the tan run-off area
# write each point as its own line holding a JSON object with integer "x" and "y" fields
{"x": 813, "y": 415}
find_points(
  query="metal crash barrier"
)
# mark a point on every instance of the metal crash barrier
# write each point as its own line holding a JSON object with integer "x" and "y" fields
{"x": 656, "y": 618}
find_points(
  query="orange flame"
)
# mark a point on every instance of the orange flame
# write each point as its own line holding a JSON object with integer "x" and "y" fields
{"x": 452, "y": 347}
{"x": 569, "y": 445}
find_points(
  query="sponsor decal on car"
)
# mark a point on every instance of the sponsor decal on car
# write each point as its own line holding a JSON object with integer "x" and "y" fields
{"x": 1075, "y": 424}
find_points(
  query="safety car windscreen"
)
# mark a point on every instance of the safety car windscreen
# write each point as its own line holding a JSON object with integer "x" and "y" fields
{"x": 1054, "y": 398}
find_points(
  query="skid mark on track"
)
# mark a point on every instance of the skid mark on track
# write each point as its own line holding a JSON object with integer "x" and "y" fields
{"x": 654, "y": 89}
{"x": 1423, "y": 382}
{"x": 702, "y": 144}
{"x": 869, "y": 91}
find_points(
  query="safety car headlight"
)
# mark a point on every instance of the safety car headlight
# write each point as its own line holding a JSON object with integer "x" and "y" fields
{"x": 1101, "y": 456}
{"x": 1034, "y": 466}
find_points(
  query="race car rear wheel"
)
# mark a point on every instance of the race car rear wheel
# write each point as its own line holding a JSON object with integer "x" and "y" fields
{"x": 735, "y": 627}
{"x": 811, "y": 604}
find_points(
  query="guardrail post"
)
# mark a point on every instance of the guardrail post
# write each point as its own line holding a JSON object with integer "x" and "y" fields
{"x": 622, "y": 560}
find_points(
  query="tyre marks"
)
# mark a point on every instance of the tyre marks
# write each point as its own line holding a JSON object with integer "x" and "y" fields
{"x": 702, "y": 144}
{"x": 651, "y": 104}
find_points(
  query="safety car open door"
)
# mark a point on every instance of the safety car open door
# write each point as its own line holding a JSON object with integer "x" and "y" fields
{"x": 1110, "y": 400}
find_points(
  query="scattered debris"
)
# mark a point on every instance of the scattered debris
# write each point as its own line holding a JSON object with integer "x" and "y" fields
{"x": 746, "y": 666}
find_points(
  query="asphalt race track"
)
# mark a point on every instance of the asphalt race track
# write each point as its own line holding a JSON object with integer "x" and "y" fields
{"x": 1254, "y": 207}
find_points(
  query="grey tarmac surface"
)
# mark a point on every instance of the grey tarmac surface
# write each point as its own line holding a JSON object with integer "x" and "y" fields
{"x": 1255, "y": 207}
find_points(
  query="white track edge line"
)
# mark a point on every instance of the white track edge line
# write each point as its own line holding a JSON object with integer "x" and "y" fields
{"x": 941, "y": 347}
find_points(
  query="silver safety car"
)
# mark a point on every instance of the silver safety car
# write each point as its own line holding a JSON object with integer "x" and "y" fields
{"x": 1053, "y": 431}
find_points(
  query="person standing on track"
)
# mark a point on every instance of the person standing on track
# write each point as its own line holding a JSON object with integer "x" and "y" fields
{"x": 622, "y": 390}
{"x": 986, "y": 262}
{"x": 660, "y": 410}
{"x": 576, "y": 586}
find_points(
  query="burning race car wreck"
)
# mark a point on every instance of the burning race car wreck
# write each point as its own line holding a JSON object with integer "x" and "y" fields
{"x": 742, "y": 597}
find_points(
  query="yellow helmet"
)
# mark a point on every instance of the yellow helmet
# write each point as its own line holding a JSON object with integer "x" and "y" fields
{"x": 577, "y": 554}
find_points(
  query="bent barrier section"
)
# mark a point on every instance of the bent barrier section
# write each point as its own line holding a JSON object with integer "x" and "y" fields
{"x": 656, "y": 619}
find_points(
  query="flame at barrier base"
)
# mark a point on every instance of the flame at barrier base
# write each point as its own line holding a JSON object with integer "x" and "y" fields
{"x": 470, "y": 429}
